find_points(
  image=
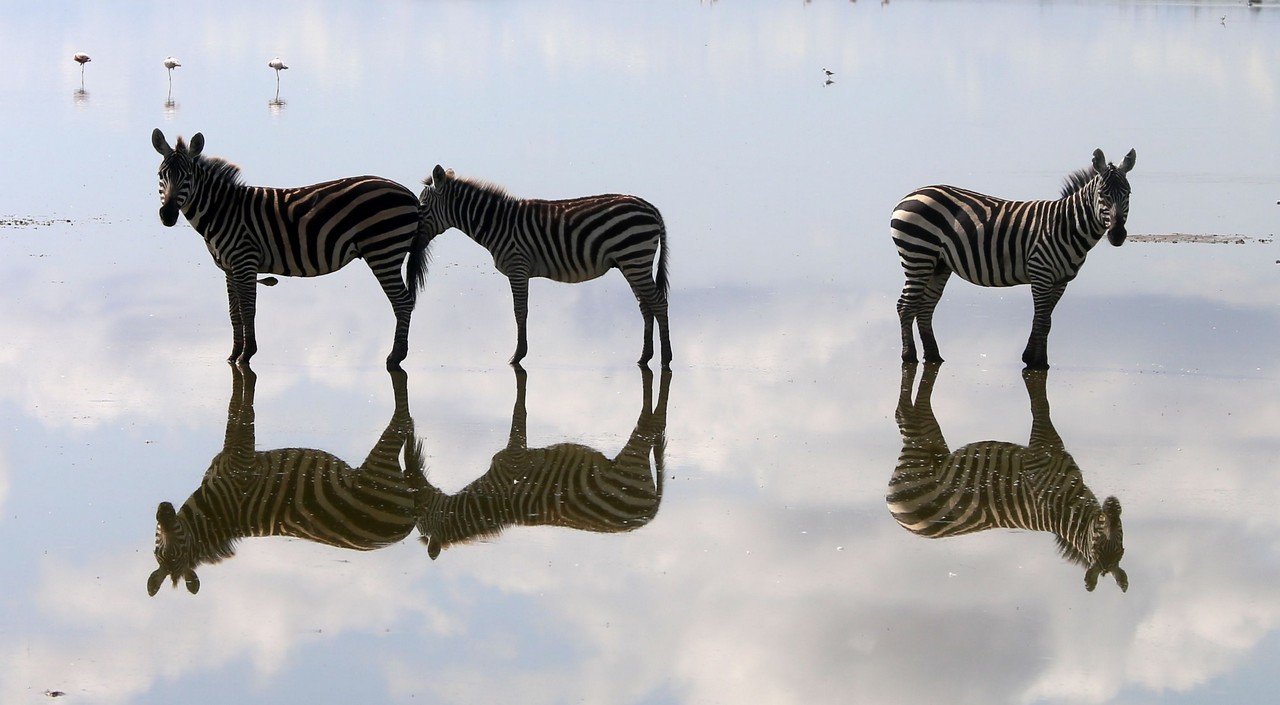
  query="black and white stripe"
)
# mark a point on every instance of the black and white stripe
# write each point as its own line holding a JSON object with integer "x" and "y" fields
{"x": 567, "y": 484}
{"x": 938, "y": 493}
{"x": 300, "y": 232}
{"x": 299, "y": 492}
{"x": 568, "y": 241}
{"x": 993, "y": 242}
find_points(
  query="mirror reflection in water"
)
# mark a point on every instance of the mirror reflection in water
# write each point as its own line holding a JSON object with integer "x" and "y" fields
{"x": 304, "y": 493}
{"x": 565, "y": 484}
{"x": 938, "y": 493}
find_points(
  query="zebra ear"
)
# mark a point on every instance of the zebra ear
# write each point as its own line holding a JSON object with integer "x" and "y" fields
{"x": 197, "y": 144}
{"x": 1091, "y": 577}
{"x": 155, "y": 581}
{"x": 1099, "y": 161}
{"x": 193, "y": 583}
{"x": 1129, "y": 159}
{"x": 1122, "y": 578}
{"x": 159, "y": 143}
{"x": 438, "y": 174}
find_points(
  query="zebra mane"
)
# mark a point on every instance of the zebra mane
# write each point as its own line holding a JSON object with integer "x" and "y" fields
{"x": 1076, "y": 181}
{"x": 487, "y": 188}
{"x": 219, "y": 169}
{"x": 1072, "y": 553}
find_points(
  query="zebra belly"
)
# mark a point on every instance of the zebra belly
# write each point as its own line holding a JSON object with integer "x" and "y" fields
{"x": 306, "y": 263}
{"x": 987, "y": 264}
{"x": 570, "y": 275}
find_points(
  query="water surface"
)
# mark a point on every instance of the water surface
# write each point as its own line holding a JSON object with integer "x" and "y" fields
{"x": 773, "y": 571}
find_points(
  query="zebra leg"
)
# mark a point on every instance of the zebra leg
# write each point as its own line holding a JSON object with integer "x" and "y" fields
{"x": 239, "y": 443}
{"x": 660, "y": 312}
{"x": 1045, "y": 298}
{"x": 924, "y": 315}
{"x": 906, "y": 317}
{"x": 242, "y": 294}
{"x": 1044, "y": 437}
{"x": 237, "y": 326}
{"x": 520, "y": 302}
{"x": 653, "y": 305}
{"x": 402, "y": 302}
{"x": 920, "y": 295}
{"x": 518, "y": 438}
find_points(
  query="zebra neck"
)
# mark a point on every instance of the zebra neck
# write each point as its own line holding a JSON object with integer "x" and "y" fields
{"x": 211, "y": 538}
{"x": 214, "y": 182}
{"x": 480, "y": 213}
{"x": 1079, "y": 215}
{"x": 468, "y": 515}
{"x": 1074, "y": 530}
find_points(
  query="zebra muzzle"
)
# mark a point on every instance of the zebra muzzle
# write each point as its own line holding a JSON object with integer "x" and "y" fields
{"x": 169, "y": 213}
{"x": 1116, "y": 234}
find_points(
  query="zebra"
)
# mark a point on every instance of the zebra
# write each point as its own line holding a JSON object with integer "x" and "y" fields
{"x": 299, "y": 492}
{"x": 936, "y": 493}
{"x": 566, "y": 484}
{"x": 304, "y": 232}
{"x": 569, "y": 241}
{"x": 993, "y": 242}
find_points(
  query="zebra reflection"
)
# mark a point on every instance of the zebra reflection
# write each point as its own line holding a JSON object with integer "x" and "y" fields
{"x": 566, "y": 484}
{"x": 299, "y": 492}
{"x": 938, "y": 493}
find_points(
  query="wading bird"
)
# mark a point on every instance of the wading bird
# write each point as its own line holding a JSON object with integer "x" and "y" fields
{"x": 82, "y": 59}
{"x": 279, "y": 65}
{"x": 171, "y": 64}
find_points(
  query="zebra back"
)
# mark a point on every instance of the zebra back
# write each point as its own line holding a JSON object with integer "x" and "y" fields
{"x": 935, "y": 493}
{"x": 302, "y": 493}
{"x": 568, "y": 485}
{"x": 567, "y": 240}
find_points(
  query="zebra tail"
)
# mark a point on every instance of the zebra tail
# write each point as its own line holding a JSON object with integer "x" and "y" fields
{"x": 419, "y": 257}
{"x": 661, "y": 279}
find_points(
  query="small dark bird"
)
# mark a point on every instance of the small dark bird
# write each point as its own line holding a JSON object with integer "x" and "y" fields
{"x": 82, "y": 59}
{"x": 829, "y": 73}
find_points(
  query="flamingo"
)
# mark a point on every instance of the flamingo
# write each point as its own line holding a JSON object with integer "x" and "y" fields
{"x": 277, "y": 64}
{"x": 82, "y": 59}
{"x": 171, "y": 64}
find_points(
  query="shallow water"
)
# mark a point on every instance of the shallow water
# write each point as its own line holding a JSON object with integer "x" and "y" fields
{"x": 773, "y": 570}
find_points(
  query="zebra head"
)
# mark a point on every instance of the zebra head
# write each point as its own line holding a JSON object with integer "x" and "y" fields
{"x": 433, "y": 202}
{"x": 173, "y": 552}
{"x": 1108, "y": 547}
{"x": 177, "y": 172}
{"x": 1112, "y": 202}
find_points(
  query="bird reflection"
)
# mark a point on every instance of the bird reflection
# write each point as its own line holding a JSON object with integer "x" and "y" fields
{"x": 300, "y": 492}
{"x": 566, "y": 484}
{"x": 937, "y": 493}
{"x": 276, "y": 105}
